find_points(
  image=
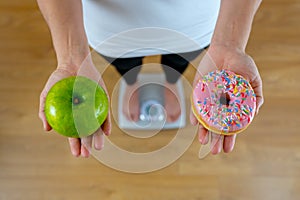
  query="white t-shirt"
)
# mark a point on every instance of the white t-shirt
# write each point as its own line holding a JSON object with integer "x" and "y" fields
{"x": 130, "y": 28}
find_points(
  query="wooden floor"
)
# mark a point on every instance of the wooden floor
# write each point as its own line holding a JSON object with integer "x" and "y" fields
{"x": 35, "y": 165}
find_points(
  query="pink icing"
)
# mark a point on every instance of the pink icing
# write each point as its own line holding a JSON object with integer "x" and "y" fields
{"x": 218, "y": 113}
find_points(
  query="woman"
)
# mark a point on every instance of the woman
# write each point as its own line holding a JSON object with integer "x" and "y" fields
{"x": 225, "y": 26}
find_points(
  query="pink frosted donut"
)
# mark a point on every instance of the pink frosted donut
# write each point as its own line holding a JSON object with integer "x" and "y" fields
{"x": 224, "y": 102}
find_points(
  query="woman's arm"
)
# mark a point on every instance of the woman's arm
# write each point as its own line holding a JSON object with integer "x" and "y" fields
{"x": 65, "y": 21}
{"x": 234, "y": 23}
{"x": 227, "y": 50}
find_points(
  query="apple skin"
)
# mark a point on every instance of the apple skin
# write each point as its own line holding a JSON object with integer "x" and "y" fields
{"x": 76, "y": 106}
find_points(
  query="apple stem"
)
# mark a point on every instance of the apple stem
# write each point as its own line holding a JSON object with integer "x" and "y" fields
{"x": 76, "y": 100}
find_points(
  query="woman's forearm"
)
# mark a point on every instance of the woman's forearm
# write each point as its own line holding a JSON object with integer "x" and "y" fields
{"x": 65, "y": 21}
{"x": 234, "y": 23}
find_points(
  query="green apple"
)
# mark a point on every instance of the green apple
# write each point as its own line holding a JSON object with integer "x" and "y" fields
{"x": 76, "y": 106}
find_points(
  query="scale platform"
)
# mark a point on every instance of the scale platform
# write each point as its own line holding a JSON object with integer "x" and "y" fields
{"x": 151, "y": 85}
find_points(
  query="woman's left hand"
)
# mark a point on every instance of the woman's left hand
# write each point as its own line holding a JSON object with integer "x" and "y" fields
{"x": 237, "y": 61}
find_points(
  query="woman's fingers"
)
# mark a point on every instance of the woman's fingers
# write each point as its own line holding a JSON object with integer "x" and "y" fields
{"x": 193, "y": 119}
{"x": 98, "y": 138}
{"x": 202, "y": 132}
{"x": 86, "y": 146}
{"x": 257, "y": 87}
{"x": 259, "y": 98}
{"x": 228, "y": 143}
{"x": 84, "y": 152}
{"x": 216, "y": 143}
{"x": 83, "y": 146}
{"x": 203, "y": 135}
{"x": 259, "y": 103}
{"x": 42, "y": 116}
{"x": 75, "y": 146}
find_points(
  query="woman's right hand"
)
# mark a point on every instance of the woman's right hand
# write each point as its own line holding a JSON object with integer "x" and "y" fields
{"x": 79, "y": 146}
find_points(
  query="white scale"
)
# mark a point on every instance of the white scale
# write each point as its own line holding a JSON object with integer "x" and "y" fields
{"x": 152, "y": 115}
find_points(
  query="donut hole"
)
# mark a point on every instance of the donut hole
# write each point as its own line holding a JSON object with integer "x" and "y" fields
{"x": 225, "y": 99}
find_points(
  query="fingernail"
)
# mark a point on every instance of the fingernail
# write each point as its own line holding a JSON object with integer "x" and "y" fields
{"x": 257, "y": 111}
{"x": 200, "y": 140}
{"x": 75, "y": 153}
{"x": 106, "y": 132}
{"x": 206, "y": 138}
{"x": 99, "y": 147}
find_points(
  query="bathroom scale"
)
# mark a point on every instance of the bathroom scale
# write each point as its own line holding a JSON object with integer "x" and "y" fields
{"x": 151, "y": 102}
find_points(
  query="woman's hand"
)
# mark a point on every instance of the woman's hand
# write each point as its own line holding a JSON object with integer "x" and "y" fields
{"x": 65, "y": 21}
{"x": 233, "y": 59}
{"x": 79, "y": 146}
